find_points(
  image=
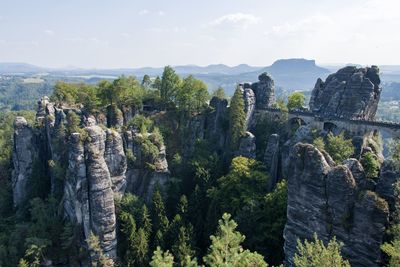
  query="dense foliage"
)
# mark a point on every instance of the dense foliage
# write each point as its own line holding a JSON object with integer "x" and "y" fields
{"x": 316, "y": 254}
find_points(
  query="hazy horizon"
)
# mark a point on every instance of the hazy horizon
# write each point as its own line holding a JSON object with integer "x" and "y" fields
{"x": 126, "y": 34}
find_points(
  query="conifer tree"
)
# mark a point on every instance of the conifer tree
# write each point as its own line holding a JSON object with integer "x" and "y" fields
{"x": 226, "y": 249}
{"x": 162, "y": 259}
{"x": 237, "y": 117}
{"x": 159, "y": 218}
{"x": 316, "y": 254}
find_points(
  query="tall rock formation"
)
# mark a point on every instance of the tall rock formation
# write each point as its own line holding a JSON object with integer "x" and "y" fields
{"x": 87, "y": 168}
{"x": 264, "y": 91}
{"x": 326, "y": 199}
{"x": 25, "y": 154}
{"x": 351, "y": 93}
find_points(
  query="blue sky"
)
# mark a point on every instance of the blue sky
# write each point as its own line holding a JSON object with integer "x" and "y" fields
{"x": 136, "y": 33}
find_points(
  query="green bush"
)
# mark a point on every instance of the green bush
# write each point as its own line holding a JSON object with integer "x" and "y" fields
{"x": 371, "y": 165}
{"x": 339, "y": 148}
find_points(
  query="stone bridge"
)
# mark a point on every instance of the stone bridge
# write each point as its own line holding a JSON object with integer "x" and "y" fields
{"x": 354, "y": 126}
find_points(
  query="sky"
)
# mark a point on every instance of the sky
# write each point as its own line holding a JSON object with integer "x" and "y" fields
{"x": 138, "y": 33}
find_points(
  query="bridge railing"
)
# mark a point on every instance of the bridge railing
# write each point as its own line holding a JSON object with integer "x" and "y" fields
{"x": 308, "y": 113}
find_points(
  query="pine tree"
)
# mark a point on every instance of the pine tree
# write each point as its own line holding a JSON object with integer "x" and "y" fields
{"x": 170, "y": 83}
{"x": 237, "y": 117}
{"x": 140, "y": 247}
{"x": 226, "y": 249}
{"x": 316, "y": 254}
{"x": 162, "y": 259}
{"x": 182, "y": 248}
{"x": 159, "y": 218}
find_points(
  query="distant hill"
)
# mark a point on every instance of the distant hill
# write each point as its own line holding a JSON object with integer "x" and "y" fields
{"x": 19, "y": 68}
{"x": 289, "y": 74}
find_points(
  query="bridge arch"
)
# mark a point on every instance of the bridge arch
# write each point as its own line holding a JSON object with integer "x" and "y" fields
{"x": 330, "y": 127}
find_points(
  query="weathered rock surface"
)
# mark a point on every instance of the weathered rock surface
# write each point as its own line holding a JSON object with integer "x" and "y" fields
{"x": 25, "y": 154}
{"x": 264, "y": 91}
{"x": 116, "y": 161}
{"x": 247, "y": 146}
{"x": 272, "y": 160}
{"x": 325, "y": 199}
{"x": 249, "y": 102}
{"x": 217, "y": 121}
{"x": 101, "y": 196}
{"x": 389, "y": 179}
{"x": 141, "y": 178}
{"x": 351, "y": 93}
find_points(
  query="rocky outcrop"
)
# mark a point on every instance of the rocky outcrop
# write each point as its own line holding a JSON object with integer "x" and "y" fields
{"x": 115, "y": 116}
{"x": 25, "y": 155}
{"x": 102, "y": 218}
{"x": 325, "y": 199}
{"x": 264, "y": 91}
{"x": 217, "y": 121}
{"x": 247, "y": 146}
{"x": 114, "y": 156}
{"x": 249, "y": 102}
{"x": 351, "y": 93}
{"x": 388, "y": 186}
{"x": 143, "y": 176}
{"x": 272, "y": 160}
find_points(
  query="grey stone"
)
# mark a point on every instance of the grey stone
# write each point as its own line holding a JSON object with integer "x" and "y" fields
{"x": 247, "y": 146}
{"x": 351, "y": 93}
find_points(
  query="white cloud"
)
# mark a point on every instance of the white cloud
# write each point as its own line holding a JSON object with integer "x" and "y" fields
{"x": 240, "y": 20}
{"x": 49, "y": 32}
{"x": 144, "y": 12}
{"x": 161, "y": 13}
{"x": 303, "y": 27}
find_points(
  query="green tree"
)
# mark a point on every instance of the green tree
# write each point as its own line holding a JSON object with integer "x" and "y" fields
{"x": 98, "y": 258}
{"x": 162, "y": 259}
{"x": 392, "y": 249}
{"x": 170, "y": 83}
{"x": 316, "y": 254}
{"x": 226, "y": 249}
{"x": 73, "y": 121}
{"x": 159, "y": 218}
{"x": 237, "y": 117}
{"x": 319, "y": 143}
{"x": 146, "y": 81}
{"x": 339, "y": 147}
{"x": 192, "y": 96}
{"x": 371, "y": 165}
{"x": 182, "y": 248}
{"x": 23, "y": 263}
{"x": 64, "y": 93}
{"x": 219, "y": 93}
{"x": 394, "y": 148}
{"x": 244, "y": 184}
{"x": 157, "y": 83}
{"x": 106, "y": 93}
{"x": 296, "y": 100}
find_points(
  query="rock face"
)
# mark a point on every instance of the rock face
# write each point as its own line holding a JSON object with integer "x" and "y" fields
{"x": 325, "y": 199}
{"x": 264, "y": 91}
{"x": 114, "y": 156}
{"x": 25, "y": 153}
{"x": 87, "y": 168}
{"x": 249, "y": 102}
{"x": 101, "y": 196}
{"x": 272, "y": 160}
{"x": 247, "y": 146}
{"x": 142, "y": 177}
{"x": 389, "y": 179}
{"x": 351, "y": 93}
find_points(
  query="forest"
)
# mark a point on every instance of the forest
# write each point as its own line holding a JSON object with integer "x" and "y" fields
{"x": 216, "y": 208}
